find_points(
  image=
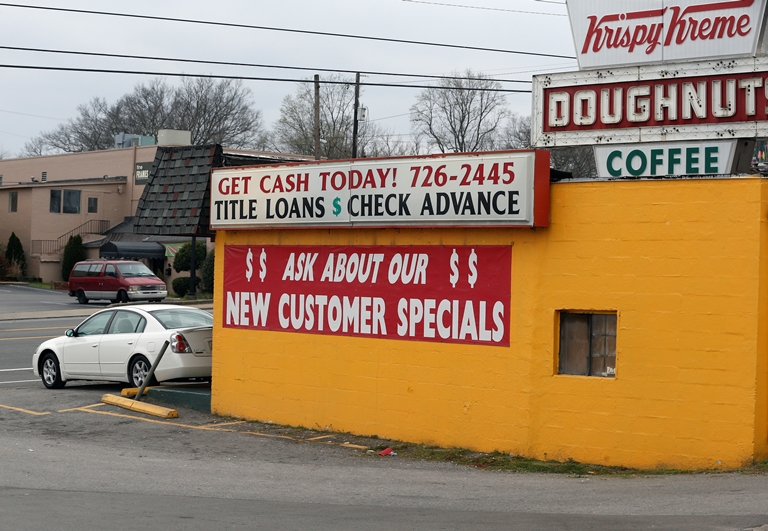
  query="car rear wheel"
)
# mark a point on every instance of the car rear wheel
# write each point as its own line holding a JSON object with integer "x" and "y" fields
{"x": 138, "y": 370}
{"x": 122, "y": 296}
{"x": 50, "y": 372}
{"x": 81, "y": 298}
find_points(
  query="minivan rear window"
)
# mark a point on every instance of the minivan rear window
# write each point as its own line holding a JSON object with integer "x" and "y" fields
{"x": 87, "y": 270}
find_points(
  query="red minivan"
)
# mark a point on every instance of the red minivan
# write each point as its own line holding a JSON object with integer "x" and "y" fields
{"x": 116, "y": 280}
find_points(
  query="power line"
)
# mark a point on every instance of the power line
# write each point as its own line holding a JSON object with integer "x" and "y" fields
{"x": 286, "y": 30}
{"x": 33, "y": 115}
{"x": 254, "y": 65}
{"x": 252, "y": 78}
{"x": 488, "y": 8}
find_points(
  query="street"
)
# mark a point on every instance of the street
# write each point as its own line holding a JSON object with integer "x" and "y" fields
{"x": 70, "y": 462}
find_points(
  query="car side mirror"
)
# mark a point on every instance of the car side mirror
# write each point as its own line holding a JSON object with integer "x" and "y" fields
{"x": 70, "y": 333}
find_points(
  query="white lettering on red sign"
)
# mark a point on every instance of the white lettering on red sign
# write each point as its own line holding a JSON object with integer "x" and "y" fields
{"x": 425, "y": 293}
{"x": 663, "y": 102}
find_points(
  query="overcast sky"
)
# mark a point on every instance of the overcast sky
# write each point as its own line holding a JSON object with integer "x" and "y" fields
{"x": 34, "y": 101}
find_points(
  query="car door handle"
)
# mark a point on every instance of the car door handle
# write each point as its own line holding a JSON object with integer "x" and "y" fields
{"x": 94, "y": 346}
{"x": 130, "y": 342}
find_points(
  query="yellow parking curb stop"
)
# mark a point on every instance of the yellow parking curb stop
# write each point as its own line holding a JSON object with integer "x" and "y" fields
{"x": 141, "y": 407}
{"x": 130, "y": 392}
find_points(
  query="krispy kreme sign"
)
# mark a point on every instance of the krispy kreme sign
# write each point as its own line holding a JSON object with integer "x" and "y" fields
{"x": 651, "y": 31}
{"x": 670, "y": 102}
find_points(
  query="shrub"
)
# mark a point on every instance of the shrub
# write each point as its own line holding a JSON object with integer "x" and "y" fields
{"x": 3, "y": 267}
{"x": 14, "y": 253}
{"x": 183, "y": 258}
{"x": 181, "y": 285}
{"x": 74, "y": 252}
{"x": 207, "y": 273}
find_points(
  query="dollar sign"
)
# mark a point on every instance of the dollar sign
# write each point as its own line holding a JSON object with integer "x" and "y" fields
{"x": 454, "y": 268}
{"x": 337, "y": 206}
{"x": 263, "y": 265}
{"x": 249, "y": 265}
{"x": 472, "y": 269}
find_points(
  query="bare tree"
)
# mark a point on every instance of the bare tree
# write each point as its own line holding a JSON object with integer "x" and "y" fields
{"x": 462, "y": 114}
{"x": 388, "y": 144}
{"x": 92, "y": 130}
{"x": 215, "y": 112}
{"x": 578, "y": 161}
{"x": 517, "y": 133}
{"x": 148, "y": 108}
{"x": 294, "y": 130}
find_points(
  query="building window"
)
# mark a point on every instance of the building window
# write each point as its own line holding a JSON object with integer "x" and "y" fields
{"x": 13, "y": 201}
{"x": 588, "y": 344}
{"x": 93, "y": 205}
{"x": 55, "y": 201}
{"x": 71, "y": 201}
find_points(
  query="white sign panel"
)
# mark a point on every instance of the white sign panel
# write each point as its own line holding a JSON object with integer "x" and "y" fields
{"x": 484, "y": 189}
{"x": 672, "y": 102}
{"x": 665, "y": 158}
{"x": 625, "y": 32}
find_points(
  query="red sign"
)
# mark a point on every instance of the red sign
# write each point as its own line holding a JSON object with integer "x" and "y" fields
{"x": 449, "y": 294}
{"x": 676, "y": 101}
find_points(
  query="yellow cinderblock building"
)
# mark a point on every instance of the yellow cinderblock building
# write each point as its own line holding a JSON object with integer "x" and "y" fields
{"x": 680, "y": 269}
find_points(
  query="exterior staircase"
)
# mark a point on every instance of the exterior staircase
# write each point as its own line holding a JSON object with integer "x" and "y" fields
{"x": 54, "y": 247}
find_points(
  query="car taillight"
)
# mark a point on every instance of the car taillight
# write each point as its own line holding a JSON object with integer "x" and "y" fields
{"x": 179, "y": 344}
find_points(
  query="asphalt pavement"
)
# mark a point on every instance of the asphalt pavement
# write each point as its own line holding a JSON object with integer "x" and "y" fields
{"x": 69, "y": 462}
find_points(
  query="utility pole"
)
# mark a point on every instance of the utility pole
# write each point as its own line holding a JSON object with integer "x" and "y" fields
{"x": 354, "y": 124}
{"x": 317, "y": 117}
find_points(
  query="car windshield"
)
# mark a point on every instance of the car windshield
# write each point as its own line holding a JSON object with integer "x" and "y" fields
{"x": 182, "y": 318}
{"x": 134, "y": 269}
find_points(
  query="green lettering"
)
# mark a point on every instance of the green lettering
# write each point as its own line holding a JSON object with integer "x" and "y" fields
{"x": 613, "y": 171}
{"x": 692, "y": 160}
{"x": 710, "y": 160}
{"x": 673, "y": 160}
{"x": 643, "y": 162}
{"x": 656, "y": 159}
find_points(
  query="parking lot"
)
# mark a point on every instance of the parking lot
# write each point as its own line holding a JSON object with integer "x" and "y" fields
{"x": 71, "y": 462}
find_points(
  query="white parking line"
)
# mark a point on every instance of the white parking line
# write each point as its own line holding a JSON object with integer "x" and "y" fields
{"x": 11, "y": 370}
{"x": 19, "y": 381}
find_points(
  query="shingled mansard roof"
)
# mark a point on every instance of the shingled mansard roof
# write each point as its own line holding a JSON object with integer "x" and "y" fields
{"x": 176, "y": 199}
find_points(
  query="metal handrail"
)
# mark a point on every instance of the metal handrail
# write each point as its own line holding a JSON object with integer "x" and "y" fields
{"x": 92, "y": 226}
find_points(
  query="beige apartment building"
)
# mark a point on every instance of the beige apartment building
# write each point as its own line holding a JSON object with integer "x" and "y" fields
{"x": 45, "y": 200}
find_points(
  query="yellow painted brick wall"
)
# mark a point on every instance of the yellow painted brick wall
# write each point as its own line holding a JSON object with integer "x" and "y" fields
{"x": 682, "y": 262}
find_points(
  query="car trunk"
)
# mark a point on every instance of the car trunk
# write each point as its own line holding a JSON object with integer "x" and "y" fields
{"x": 199, "y": 339}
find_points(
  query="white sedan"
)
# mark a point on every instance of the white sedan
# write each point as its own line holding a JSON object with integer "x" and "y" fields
{"x": 120, "y": 345}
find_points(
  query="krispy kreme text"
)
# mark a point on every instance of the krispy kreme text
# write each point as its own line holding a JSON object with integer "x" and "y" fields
{"x": 664, "y": 102}
{"x": 651, "y": 31}
{"x": 687, "y": 24}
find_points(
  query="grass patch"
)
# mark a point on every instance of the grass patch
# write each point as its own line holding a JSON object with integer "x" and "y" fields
{"x": 492, "y": 461}
{"x": 500, "y": 461}
{"x": 504, "y": 462}
{"x": 761, "y": 467}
